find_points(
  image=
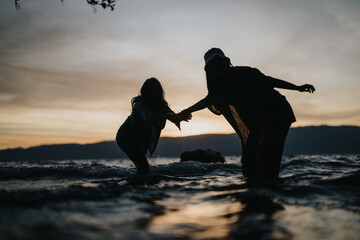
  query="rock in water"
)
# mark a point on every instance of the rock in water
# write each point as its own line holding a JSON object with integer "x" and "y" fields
{"x": 200, "y": 155}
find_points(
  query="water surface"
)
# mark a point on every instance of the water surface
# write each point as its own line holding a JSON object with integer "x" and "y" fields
{"x": 317, "y": 197}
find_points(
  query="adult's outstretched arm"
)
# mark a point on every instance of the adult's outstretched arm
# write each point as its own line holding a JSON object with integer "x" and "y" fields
{"x": 203, "y": 103}
{"x": 286, "y": 85}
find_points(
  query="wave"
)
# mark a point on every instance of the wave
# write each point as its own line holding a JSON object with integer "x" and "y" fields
{"x": 304, "y": 181}
{"x": 316, "y": 163}
{"x": 83, "y": 171}
{"x": 195, "y": 168}
{"x": 351, "y": 179}
{"x": 102, "y": 171}
{"x": 341, "y": 191}
{"x": 74, "y": 192}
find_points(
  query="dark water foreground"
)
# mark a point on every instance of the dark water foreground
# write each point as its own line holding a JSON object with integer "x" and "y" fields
{"x": 317, "y": 197}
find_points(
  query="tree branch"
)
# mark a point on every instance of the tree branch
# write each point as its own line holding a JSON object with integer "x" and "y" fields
{"x": 105, "y": 4}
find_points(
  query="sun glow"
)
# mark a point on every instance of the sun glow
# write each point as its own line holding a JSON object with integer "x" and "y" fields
{"x": 203, "y": 122}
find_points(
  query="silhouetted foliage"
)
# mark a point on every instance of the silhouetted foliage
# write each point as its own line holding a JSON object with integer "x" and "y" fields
{"x": 105, "y": 4}
{"x": 17, "y": 5}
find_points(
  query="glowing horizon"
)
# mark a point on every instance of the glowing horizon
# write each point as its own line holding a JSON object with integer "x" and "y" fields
{"x": 67, "y": 75}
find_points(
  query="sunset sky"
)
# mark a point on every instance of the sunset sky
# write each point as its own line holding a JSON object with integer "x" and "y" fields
{"x": 67, "y": 74}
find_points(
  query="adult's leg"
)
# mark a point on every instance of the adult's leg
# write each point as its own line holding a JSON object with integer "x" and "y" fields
{"x": 249, "y": 156}
{"x": 270, "y": 149}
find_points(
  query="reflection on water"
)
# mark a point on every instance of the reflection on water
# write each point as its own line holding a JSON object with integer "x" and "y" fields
{"x": 307, "y": 223}
{"x": 233, "y": 214}
{"x": 197, "y": 219}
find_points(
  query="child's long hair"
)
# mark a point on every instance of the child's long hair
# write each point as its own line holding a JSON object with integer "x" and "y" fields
{"x": 152, "y": 94}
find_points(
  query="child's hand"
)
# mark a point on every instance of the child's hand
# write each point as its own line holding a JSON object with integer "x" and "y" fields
{"x": 178, "y": 125}
{"x": 174, "y": 118}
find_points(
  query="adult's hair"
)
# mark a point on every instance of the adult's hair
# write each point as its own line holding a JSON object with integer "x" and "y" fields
{"x": 152, "y": 94}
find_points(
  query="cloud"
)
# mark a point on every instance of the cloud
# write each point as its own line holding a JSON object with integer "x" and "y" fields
{"x": 67, "y": 72}
{"x": 40, "y": 89}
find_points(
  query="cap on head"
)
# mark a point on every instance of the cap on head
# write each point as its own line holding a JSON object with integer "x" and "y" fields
{"x": 213, "y": 52}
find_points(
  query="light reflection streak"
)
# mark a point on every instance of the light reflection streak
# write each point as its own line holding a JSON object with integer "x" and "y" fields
{"x": 198, "y": 219}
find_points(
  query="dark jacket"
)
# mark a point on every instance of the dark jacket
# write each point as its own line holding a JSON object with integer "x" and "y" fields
{"x": 144, "y": 125}
{"x": 246, "y": 97}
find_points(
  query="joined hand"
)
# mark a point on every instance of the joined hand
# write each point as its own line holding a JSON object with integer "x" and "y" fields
{"x": 177, "y": 118}
{"x": 185, "y": 115}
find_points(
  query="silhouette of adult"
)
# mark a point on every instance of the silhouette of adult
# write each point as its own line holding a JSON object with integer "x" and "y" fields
{"x": 259, "y": 114}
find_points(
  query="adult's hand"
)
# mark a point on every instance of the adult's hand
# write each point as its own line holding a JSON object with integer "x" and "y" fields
{"x": 306, "y": 88}
{"x": 185, "y": 115}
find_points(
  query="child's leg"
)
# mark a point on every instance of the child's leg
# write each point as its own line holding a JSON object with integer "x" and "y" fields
{"x": 135, "y": 152}
{"x": 138, "y": 158}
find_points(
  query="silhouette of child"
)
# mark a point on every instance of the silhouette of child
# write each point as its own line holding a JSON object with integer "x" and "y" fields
{"x": 141, "y": 130}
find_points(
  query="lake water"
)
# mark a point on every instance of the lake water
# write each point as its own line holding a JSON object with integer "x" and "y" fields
{"x": 317, "y": 197}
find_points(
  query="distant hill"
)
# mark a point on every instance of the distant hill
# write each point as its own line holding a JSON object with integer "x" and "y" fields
{"x": 302, "y": 140}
